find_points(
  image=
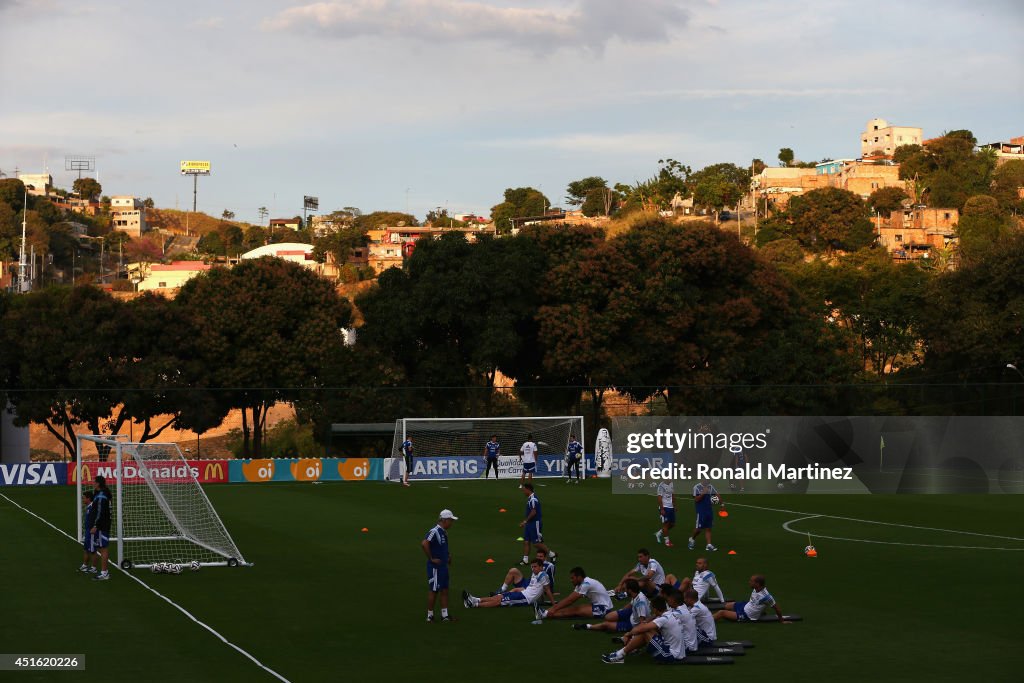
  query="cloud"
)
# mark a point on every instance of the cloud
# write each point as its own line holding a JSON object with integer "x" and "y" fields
{"x": 589, "y": 23}
{"x": 209, "y": 22}
{"x": 604, "y": 143}
{"x": 718, "y": 93}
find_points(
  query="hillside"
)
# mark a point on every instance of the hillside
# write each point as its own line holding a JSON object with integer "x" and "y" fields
{"x": 172, "y": 219}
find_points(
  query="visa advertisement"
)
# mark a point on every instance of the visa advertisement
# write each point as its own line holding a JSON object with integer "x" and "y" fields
{"x": 33, "y": 474}
{"x": 437, "y": 467}
{"x": 306, "y": 469}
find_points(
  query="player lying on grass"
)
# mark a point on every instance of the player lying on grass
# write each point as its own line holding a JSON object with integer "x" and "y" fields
{"x": 622, "y": 620}
{"x": 533, "y": 525}
{"x": 539, "y": 585}
{"x": 591, "y": 589}
{"x": 707, "y": 632}
{"x": 515, "y": 579}
{"x": 663, "y": 637}
{"x": 89, "y": 555}
{"x": 667, "y": 511}
{"x": 703, "y": 580}
{"x": 752, "y": 609}
{"x": 648, "y": 571}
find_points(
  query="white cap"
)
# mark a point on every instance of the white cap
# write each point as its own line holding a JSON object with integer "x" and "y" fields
{"x": 446, "y": 514}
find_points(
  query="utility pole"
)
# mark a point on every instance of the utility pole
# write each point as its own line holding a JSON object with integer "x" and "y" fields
{"x": 22, "y": 266}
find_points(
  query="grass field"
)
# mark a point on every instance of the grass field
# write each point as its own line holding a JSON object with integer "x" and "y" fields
{"x": 326, "y": 601}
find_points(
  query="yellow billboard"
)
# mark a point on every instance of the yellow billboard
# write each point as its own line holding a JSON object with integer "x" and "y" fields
{"x": 195, "y": 167}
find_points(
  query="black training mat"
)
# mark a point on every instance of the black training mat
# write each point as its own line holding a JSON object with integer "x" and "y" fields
{"x": 716, "y": 605}
{"x": 706, "y": 651}
{"x": 698, "y": 660}
{"x": 731, "y": 643}
{"x": 774, "y": 618}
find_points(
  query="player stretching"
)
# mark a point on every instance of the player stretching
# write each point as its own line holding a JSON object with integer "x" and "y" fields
{"x": 539, "y": 585}
{"x": 624, "y": 619}
{"x": 407, "y": 456}
{"x": 435, "y": 547}
{"x": 663, "y": 637}
{"x": 677, "y": 608}
{"x": 573, "y": 459}
{"x": 667, "y": 508}
{"x": 702, "y": 494}
{"x": 528, "y": 458}
{"x": 492, "y": 450}
{"x": 703, "y": 581}
{"x": 702, "y": 617}
{"x": 591, "y": 589}
{"x": 515, "y": 579}
{"x": 648, "y": 571}
{"x": 88, "y": 551}
{"x": 101, "y": 526}
{"x": 752, "y": 609}
{"x": 533, "y": 526}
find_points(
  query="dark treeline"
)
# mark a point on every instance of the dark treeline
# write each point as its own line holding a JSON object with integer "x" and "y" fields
{"x": 684, "y": 318}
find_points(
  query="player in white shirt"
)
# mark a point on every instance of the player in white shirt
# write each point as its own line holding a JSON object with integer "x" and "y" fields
{"x": 528, "y": 457}
{"x": 663, "y": 637}
{"x": 589, "y": 588}
{"x": 707, "y": 632}
{"x": 622, "y": 620}
{"x": 677, "y": 607}
{"x": 752, "y": 609}
{"x": 514, "y": 577}
{"x": 539, "y": 585}
{"x": 667, "y": 509}
{"x": 648, "y": 571}
{"x": 703, "y": 581}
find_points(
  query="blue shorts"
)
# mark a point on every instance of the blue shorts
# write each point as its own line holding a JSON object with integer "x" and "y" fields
{"x": 741, "y": 614}
{"x": 93, "y": 542}
{"x": 624, "y": 614}
{"x": 704, "y": 520}
{"x": 514, "y": 599}
{"x": 529, "y": 467}
{"x": 437, "y": 577}
{"x": 623, "y": 626}
{"x": 677, "y": 584}
{"x": 532, "y": 533}
{"x": 669, "y": 517}
{"x": 660, "y": 652}
{"x": 598, "y": 610}
{"x": 523, "y": 583}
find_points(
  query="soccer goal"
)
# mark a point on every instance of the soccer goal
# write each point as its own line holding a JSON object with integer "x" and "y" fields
{"x": 452, "y": 448}
{"x": 159, "y": 512}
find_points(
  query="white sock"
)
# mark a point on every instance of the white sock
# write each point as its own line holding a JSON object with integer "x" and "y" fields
{"x": 430, "y": 614}
{"x": 475, "y": 601}
{"x": 444, "y": 612}
{"x": 525, "y": 558}
{"x": 620, "y": 653}
{"x": 504, "y": 587}
{"x": 588, "y": 626}
{"x": 666, "y": 539}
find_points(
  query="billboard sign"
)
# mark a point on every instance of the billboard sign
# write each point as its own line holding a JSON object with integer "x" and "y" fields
{"x": 195, "y": 168}
{"x": 440, "y": 467}
{"x": 205, "y": 471}
{"x": 33, "y": 473}
{"x": 311, "y": 203}
{"x": 306, "y": 469}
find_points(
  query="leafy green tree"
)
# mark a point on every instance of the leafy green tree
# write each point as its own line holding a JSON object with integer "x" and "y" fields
{"x": 579, "y": 190}
{"x": 783, "y": 251}
{"x": 949, "y": 167}
{"x": 786, "y": 156}
{"x": 267, "y": 327}
{"x": 829, "y": 218}
{"x": 757, "y": 165}
{"x": 339, "y": 244}
{"x": 601, "y": 201}
{"x": 87, "y": 188}
{"x": 720, "y": 186}
{"x": 885, "y": 200}
{"x": 12, "y": 193}
{"x": 519, "y": 202}
{"x": 981, "y": 226}
{"x": 227, "y": 215}
{"x": 148, "y": 202}
{"x": 1008, "y": 185}
{"x": 377, "y": 219}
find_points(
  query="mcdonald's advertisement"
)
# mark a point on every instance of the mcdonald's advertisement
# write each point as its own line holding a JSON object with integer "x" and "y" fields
{"x": 205, "y": 471}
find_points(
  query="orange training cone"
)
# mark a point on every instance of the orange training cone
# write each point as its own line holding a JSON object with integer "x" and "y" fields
{"x": 489, "y": 560}
{"x": 723, "y": 513}
{"x": 731, "y": 552}
{"x": 502, "y": 510}
{"x": 365, "y": 529}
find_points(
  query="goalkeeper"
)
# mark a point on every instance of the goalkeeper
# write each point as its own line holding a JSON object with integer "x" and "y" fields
{"x": 100, "y": 529}
{"x": 573, "y": 459}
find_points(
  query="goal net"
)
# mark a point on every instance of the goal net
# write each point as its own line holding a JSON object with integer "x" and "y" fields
{"x": 453, "y": 448}
{"x": 159, "y": 512}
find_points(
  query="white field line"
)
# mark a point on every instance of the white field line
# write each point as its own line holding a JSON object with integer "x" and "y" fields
{"x": 161, "y": 596}
{"x": 865, "y": 540}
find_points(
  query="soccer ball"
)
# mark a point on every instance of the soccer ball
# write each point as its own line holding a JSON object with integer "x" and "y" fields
{"x": 156, "y": 568}
{"x": 194, "y": 565}
{"x": 174, "y": 568}
{"x": 715, "y": 500}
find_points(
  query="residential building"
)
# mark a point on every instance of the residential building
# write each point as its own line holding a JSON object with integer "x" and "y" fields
{"x": 296, "y": 252}
{"x": 780, "y": 184}
{"x": 289, "y": 223}
{"x": 913, "y": 232}
{"x": 832, "y": 166}
{"x": 164, "y": 278}
{"x": 1006, "y": 151}
{"x": 864, "y": 178}
{"x": 128, "y": 215}
{"x": 390, "y": 246}
{"x": 38, "y": 184}
{"x": 76, "y": 205}
{"x": 880, "y": 139}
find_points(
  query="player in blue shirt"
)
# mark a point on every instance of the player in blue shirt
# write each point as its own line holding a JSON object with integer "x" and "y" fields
{"x": 407, "y": 455}
{"x": 574, "y": 459}
{"x": 702, "y": 494}
{"x": 533, "y": 526}
{"x": 100, "y": 528}
{"x": 492, "y": 451}
{"x": 89, "y": 521}
{"x": 439, "y": 559}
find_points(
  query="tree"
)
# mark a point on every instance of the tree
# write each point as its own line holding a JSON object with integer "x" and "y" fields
{"x": 148, "y": 203}
{"x": 1008, "y": 186}
{"x": 227, "y": 215}
{"x": 783, "y": 251}
{"x": 378, "y": 219}
{"x": 719, "y": 186}
{"x": 339, "y": 244}
{"x": 267, "y": 329}
{"x": 786, "y": 156}
{"x": 885, "y": 200}
{"x": 519, "y": 202}
{"x": 981, "y": 226}
{"x": 12, "y": 193}
{"x": 829, "y": 218}
{"x": 579, "y": 190}
{"x": 87, "y": 188}
{"x": 949, "y": 167}
{"x": 756, "y": 166}
{"x": 145, "y": 249}
{"x": 601, "y": 201}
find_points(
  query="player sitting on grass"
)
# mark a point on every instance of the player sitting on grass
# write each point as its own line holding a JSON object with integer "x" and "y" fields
{"x": 648, "y": 571}
{"x": 702, "y": 617}
{"x": 88, "y": 551}
{"x": 592, "y": 589}
{"x": 515, "y": 579}
{"x": 703, "y": 580}
{"x": 752, "y": 609}
{"x": 663, "y": 637}
{"x": 624, "y": 619}
{"x": 677, "y": 607}
{"x": 539, "y": 585}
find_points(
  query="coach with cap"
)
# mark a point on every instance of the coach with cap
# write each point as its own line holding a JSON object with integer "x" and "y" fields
{"x": 435, "y": 547}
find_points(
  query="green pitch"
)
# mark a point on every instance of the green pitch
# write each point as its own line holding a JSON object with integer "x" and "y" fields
{"x": 326, "y": 600}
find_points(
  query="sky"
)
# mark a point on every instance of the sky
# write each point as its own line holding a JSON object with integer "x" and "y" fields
{"x": 419, "y": 104}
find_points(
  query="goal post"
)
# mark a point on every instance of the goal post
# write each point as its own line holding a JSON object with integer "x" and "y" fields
{"x": 452, "y": 448}
{"x": 159, "y": 511}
